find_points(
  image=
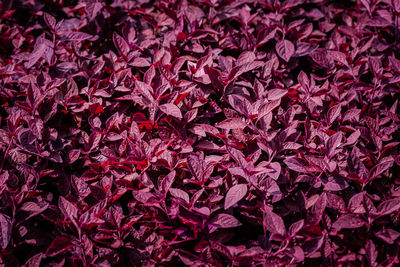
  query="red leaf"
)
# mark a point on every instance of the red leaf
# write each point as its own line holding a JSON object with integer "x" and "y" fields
{"x": 58, "y": 246}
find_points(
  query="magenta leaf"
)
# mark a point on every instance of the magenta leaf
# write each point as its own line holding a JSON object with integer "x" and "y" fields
{"x": 34, "y": 261}
{"x": 304, "y": 81}
{"x": 50, "y": 20}
{"x": 77, "y": 36}
{"x": 285, "y": 49}
{"x": 199, "y": 133}
{"x": 223, "y": 220}
{"x": 348, "y": 221}
{"x": 389, "y": 206}
{"x": 171, "y": 109}
{"x": 233, "y": 123}
{"x": 67, "y": 208}
{"x": 234, "y": 195}
{"x": 381, "y": 167}
{"x": 333, "y": 113}
{"x": 333, "y": 143}
{"x": 276, "y": 94}
{"x": 5, "y": 230}
{"x": 146, "y": 90}
{"x": 73, "y": 155}
{"x": 178, "y": 193}
{"x": 297, "y": 164}
{"x": 121, "y": 45}
{"x": 388, "y": 235}
{"x": 371, "y": 253}
{"x": 196, "y": 166}
{"x": 274, "y": 223}
{"x": 318, "y": 209}
{"x": 296, "y": 227}
{"x": 92, "y": 9}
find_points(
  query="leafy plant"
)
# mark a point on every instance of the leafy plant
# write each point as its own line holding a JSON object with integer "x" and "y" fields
{"x": 201, "y": 133}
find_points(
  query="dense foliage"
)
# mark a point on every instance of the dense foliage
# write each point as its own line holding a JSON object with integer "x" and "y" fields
{"x": 201, "y": 133}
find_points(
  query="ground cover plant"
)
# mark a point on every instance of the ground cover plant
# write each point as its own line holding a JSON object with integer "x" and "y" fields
{"x": 200, "y": 133}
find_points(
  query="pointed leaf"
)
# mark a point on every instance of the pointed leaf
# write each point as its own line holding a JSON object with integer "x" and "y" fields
{"x": 233, "y": 123}
{"x": 333, "y": 113}
{"x": 58, "y": 246}
{"x": 274, "y": 223}
{"x": 348, "y": 221}
{"x": 234, "y": 195}
{"x": 285, "y": 49}
{"x": 178, "y": 193}
{"x": 389, "y": 206}
{"x": 34, "y": 261}
{"x": 382, "y": 166}
{"x": 224, "y": 220}
{"x": 171, "y": 109}
{"x": 388, "y": 235}
{"x": 67, "y": 208}
{"x": 5, "y": 230}
{"x": 333, "y": 143}
{"x": 121, "y": 44}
